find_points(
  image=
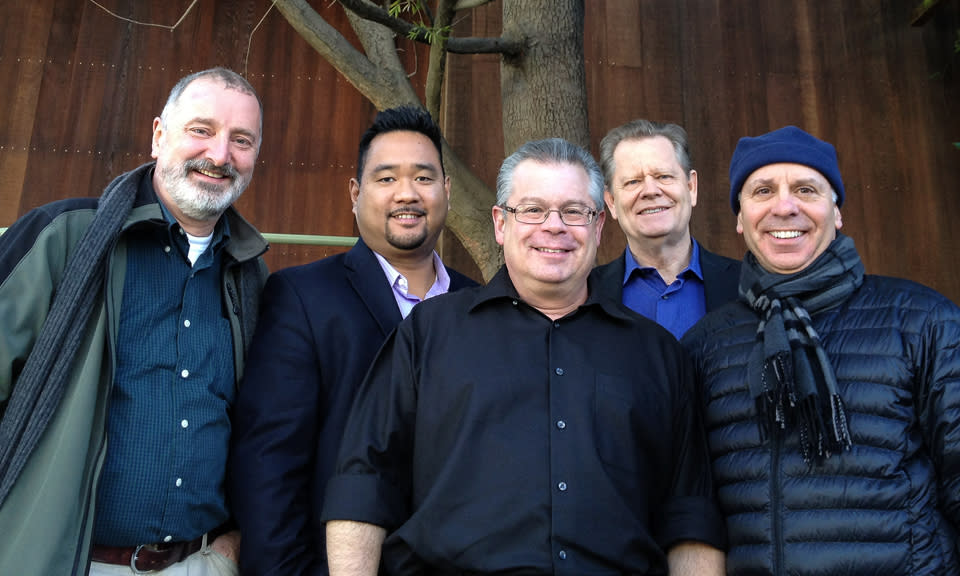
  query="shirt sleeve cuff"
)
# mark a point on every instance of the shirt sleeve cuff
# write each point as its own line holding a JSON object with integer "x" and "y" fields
{"x": 364, "y": 498}
{"x": 693, "y": 518}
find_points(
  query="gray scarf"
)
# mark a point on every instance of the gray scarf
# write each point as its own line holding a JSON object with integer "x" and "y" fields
{"x": 790, "y": 376}
{"x": 41, "y": 384}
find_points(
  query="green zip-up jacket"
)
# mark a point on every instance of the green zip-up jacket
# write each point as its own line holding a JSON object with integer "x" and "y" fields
{"x": 46, "y": 522}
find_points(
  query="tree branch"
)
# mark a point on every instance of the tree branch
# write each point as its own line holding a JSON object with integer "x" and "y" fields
{"x": 378, "y": 83}
{"x": 508, "y": 48}
{"x": 374, "y": 13}
{"x": 438, "y": 60}
{"x": 470, "y": 4}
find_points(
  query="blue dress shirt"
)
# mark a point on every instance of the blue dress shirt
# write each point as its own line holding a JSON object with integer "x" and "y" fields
{"x": 676, "y": 307}
{"x": 168, "y": 426}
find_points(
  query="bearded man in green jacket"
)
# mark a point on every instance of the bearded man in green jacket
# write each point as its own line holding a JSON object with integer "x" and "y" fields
{"x": 125, "y": 325}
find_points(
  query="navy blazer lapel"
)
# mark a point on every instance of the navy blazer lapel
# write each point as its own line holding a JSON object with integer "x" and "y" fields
{"x": 721, "y": 278}
{"x": 608, "y": 278}
{"x": 369, "y": 282}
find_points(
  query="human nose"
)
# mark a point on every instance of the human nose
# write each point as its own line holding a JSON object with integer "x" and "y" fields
{"x": 218, "y": 150}
{"x": 649, "y": 186}
{"x": 552, "y": 223}
{"x": 786, "y": 203}
{"x": 406, "y": 190}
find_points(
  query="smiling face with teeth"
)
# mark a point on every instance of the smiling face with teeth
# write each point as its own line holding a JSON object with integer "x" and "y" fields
{"x": 206, "y": 147}
{"x": 548, "y": 262}
{"x": 402, "y": 197}
{"x": 650, "y": 194}
{"x": 788, "y": 216}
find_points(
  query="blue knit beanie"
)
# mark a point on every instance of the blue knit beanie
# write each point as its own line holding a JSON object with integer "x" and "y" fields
{"x": 791, "y": 145}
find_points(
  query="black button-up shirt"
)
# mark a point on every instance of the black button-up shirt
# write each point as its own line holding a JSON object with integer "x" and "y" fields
{"x": 489, "y": 438}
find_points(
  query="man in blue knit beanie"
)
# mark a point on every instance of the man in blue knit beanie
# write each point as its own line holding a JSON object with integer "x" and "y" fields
{"x": 831, "y": 398}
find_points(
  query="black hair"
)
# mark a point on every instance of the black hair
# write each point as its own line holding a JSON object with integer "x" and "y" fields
{"x": 400, "y": 119}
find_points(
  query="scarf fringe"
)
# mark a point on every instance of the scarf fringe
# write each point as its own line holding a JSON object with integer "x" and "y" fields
{"x": 778, "y": 406}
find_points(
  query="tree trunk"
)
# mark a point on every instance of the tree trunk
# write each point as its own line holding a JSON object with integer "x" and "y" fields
{"x": 544, "y": 92}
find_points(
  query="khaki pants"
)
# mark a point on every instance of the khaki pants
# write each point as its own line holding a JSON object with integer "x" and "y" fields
{"x": 205, "y": 562}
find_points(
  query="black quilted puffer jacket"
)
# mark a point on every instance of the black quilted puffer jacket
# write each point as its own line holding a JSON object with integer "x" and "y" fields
{"x": 888, "y": 506}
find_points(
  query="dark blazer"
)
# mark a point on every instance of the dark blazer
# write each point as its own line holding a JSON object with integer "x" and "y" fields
{"x": 320, "y": 327}
{"x": 721, "y": 278}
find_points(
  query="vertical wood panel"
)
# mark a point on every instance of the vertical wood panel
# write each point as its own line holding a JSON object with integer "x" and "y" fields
{"x": 83, "y": 88}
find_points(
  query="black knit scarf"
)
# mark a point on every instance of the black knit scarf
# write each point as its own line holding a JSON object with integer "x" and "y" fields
{"x": 790, "y": 376}
{"x": 40, "y": 386}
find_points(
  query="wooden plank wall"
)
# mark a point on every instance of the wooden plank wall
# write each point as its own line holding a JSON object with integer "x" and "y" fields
{"x": 82, "y": 88}
{"x": 854, "y": 73}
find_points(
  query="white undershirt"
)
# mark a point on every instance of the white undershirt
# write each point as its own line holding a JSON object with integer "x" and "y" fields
{"x": 198, "y": 244}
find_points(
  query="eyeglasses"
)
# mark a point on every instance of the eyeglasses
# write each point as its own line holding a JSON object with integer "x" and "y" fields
{"x": 536, "y": 214}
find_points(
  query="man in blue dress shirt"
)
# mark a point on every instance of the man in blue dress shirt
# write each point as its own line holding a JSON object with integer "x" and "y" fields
{"x": 651, "y": 189}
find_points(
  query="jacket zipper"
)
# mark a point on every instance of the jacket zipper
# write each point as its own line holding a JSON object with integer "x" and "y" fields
{"x": 776, "y": 437}
{"x": 84, "y": 569}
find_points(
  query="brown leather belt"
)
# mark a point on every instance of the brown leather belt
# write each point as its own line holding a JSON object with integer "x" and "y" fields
{"x": 147, "y": 558}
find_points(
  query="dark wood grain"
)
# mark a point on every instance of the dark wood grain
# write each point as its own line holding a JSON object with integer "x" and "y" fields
{"x": 81, "y": 89}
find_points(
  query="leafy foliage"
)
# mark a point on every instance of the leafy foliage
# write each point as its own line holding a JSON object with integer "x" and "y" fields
{"x": 421, "y": 30}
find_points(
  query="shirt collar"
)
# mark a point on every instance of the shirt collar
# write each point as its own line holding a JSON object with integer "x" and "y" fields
{"x": 631, "y": 264}
{"x": 441, "y": 284}
{"x": 501, "y": 287}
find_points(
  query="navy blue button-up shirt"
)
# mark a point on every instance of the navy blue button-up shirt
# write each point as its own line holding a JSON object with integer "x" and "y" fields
{"x": 168, "y": 425}
{"x": 676, "y": 307}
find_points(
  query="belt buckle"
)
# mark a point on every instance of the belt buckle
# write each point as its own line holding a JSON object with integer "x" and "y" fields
{"x": 133, "y": 561}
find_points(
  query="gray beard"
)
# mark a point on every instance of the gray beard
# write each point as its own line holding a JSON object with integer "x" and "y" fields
{"x": 201, "y": 201}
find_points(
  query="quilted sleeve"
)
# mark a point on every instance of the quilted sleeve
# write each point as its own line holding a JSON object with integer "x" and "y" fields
{"x": 939, "y": 400}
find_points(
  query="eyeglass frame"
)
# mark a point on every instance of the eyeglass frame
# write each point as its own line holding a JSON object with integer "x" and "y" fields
{"x": 590, "y": 213}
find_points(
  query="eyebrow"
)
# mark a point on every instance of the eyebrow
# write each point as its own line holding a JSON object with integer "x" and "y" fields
{"x": 541, "y": 202}
{"x": 808, "y": 181}
{"x": 211, "y": 122}
{"x": 650, "y": 171}
{"x": 419, "y": 166}
{"x": 814, "y": 182}
{"x": 249, "y": 134}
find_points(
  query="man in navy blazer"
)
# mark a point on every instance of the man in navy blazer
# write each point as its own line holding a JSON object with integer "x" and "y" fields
{"x": 651, "y": 189}
{"x": 319, "y": 329}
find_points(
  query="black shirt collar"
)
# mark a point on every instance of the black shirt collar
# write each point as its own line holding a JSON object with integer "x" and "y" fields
{"x": 501, "y": 287}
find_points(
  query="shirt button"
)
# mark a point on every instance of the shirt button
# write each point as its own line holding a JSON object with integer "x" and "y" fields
{"x": 167, "y": 538}
{"x": 556, "y": 323}
{"x": 184, "y": 423}
{"x": 179, "y": 482}
{"x": 561, "y": 424}
{"x": 166, "y": 249}
{"x": 559, "y": 371}
{"x": 515, "y": 303}
{"x": 185, "y": 373}
{"x": 664, "y": 297}
{"x": 186, "y": 323}
{"x": 562, "y": 486}
{"x": 562, "y": 554}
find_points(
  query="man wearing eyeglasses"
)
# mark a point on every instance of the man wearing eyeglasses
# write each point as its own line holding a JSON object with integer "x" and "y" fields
{"x": 512, "y": 428}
